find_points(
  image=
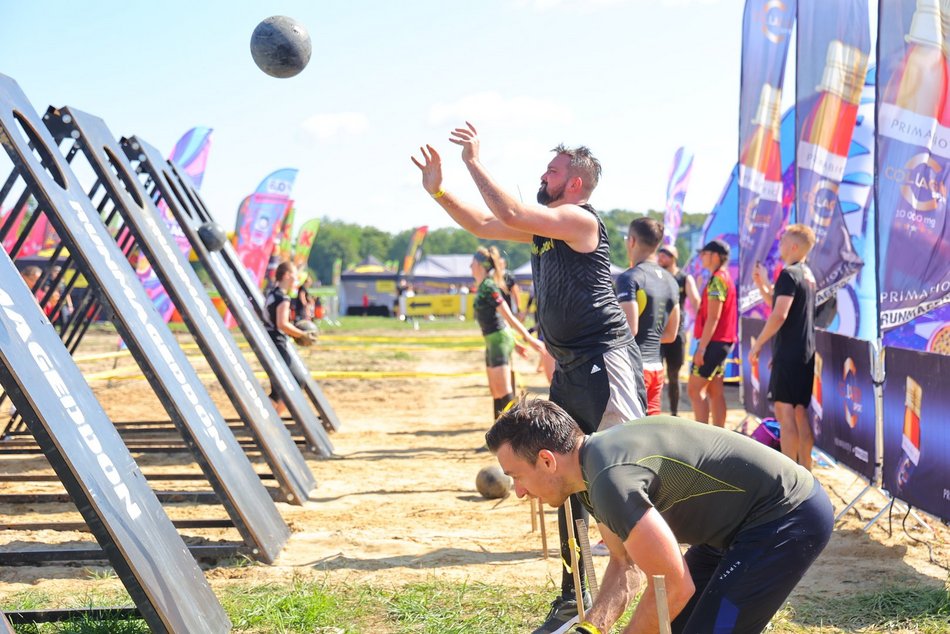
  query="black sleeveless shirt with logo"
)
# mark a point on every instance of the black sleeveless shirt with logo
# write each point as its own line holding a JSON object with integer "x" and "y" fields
{"x": 576, "y": 304}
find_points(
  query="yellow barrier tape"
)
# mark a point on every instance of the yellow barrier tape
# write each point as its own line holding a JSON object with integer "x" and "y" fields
{"x": 124, "y": 375}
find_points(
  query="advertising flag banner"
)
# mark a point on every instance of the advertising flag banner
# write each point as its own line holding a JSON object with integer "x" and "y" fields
{"x": 916, "y": 436}
{"x": 265, "y": 210}
{"x": 913, "y": 160}
{"x": 676, "y": 194}
{"x": 766, "y": 32}
{"x": 306, "y": 236}
{"x": 856, "y": 313}
{"x": 190, "y": 154}
{"x": 414, "y": 251}
{"x": 834, "y": 41}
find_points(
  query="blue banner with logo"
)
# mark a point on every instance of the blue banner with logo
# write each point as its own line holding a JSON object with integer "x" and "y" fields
{"x": 913, "y": 132}
{"x": 755, "y": 377}
{"x": 834, "y": 41}
{"x": 857, "y": 314}
{"x": 916, "y": 434}
{"x": 766, "y": 32}
{"x": 842, "y": 405}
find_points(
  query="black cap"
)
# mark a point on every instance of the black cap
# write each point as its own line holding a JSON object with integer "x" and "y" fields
{"x": 720, "y": 247}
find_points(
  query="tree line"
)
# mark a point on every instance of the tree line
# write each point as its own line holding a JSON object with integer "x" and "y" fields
{"x": 351, "y": 243}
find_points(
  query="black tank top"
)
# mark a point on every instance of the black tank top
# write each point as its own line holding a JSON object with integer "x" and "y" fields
{"x": 576, "y": 304}
{"x": 274, "y": 298}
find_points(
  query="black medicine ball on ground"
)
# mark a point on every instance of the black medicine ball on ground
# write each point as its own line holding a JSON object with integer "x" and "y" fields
{"x": 212, "y": 236}
{"x": 308, "y": 327}
{"x": 280, "y": 46}
{"x": 492, "y": 482}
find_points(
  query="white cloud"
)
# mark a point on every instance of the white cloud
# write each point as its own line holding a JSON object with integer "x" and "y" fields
{"x": 326, "y": 125}
{"x": 491, "y": 107}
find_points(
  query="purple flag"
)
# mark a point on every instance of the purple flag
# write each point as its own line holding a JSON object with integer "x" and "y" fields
{"x": 834, "y": 41}
{"x": 191, "y": 155}
{"x": 676, "y": 193}
{"x": 913, "y": 136}
{"x": 767, "y": 27}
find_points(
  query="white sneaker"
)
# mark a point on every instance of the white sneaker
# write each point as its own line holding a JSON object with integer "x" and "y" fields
{"x": 600, "y": 549}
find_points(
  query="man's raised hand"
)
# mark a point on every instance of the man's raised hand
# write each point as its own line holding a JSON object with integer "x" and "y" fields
{"x": 431, "y": 169}
{"x": 467, "y": 137}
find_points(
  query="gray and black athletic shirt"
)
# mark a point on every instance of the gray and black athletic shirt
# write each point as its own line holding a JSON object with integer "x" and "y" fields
{"x": 706, "y": 482}
{"x": 577, "y": 308}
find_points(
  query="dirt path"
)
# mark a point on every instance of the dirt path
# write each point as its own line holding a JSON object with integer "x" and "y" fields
{"x": 398, "y": 503}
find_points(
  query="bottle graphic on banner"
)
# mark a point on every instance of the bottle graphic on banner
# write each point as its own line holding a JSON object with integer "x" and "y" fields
{"x": 911, "y": 188}
{"x": 760, "y": 191}
{"x": 822, "y": 157}
{"x": 910, "y": 441}
{"x": 826, "y": 135}
{"x": 817, "y": 407}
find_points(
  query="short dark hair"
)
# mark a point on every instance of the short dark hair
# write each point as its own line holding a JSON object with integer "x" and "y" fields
{"x": 582, "y": 164}
{"x": 648, "y": 231}
{"x": 533, "y": 425}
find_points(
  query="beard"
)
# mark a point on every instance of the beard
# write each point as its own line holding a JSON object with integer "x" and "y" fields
{"x": 546, "y": 197}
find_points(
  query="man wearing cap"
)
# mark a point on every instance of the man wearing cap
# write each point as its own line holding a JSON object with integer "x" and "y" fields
{"x": 673, "y": 353}
{"x": 715, "y": 331}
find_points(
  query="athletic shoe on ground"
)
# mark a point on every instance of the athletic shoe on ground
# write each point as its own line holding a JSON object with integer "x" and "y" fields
{"x": 562, "y": 617}
{"x": 600, "y": 549}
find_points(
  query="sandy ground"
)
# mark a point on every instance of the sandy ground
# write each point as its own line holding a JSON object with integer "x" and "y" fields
{"x": 398, "y": 503}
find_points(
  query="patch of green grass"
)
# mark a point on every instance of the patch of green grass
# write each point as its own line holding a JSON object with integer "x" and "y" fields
{"x": 438, "y": 607}
{"x": 916, "y": 608}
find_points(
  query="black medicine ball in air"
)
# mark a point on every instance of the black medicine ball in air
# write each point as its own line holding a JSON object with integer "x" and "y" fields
{"x": 280, "y": 46}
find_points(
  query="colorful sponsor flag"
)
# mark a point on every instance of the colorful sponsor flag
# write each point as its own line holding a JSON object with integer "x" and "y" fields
{"x": 767, "y": 28}
{"x": 306, "y": 236}
{"x": 190, "y": 154}
{"x": 913, "y": 161}
{"x": 261, "y": 221}
{"x": 414, "y": 251}
{"x": 676, "y": 193}
{"x": 834, "y": 42}
{"x": 856, "y": 312}
{"x": 283, "y": 242}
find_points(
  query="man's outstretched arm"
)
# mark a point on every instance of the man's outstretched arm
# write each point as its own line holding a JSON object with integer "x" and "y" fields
{"x": 567, "y": 222}
{"x": 478, "y": 222}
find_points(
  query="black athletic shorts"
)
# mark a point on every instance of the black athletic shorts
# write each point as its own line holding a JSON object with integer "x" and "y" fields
{"x": 740, "y": 588}
{"x": 792, "y": 382}
{"x": 604, "y": 391}
{"x": 714, "y": 360}
{"x": 673, "y": 353}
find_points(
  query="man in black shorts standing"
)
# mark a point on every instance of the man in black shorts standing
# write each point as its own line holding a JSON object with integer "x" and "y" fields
{"x": 753, "y": 519}
{"x": 715, "y": 330}
{"x": 674, "y": 353}
{"x": 598, "y": 376}
{"x": 792, "y": 323}
{"x": 278, "y": 323}
{"x": 649, "y": 297}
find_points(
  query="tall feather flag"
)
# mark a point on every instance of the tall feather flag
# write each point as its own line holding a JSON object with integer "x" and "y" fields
{"x": 303, "y": 245}
{"x": 261, "y": 221}
{"x": 767, "y": 29}
{"x": 414, "y": 251}
{"x": 676, "y": 193}
{"x": 191, "y": 155}
{"x": 834, "y": 41}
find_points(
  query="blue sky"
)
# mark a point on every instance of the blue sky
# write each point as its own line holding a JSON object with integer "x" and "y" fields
{"x": 632, "y": 79}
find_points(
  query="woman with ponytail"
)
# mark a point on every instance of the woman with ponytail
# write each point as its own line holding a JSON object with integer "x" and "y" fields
{"x": 494, "y": 316}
